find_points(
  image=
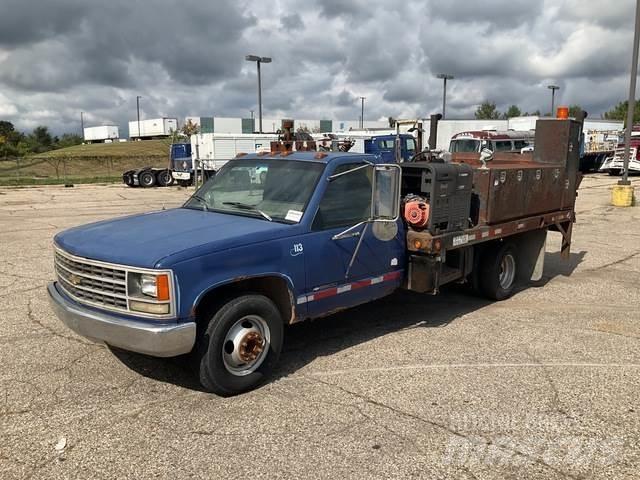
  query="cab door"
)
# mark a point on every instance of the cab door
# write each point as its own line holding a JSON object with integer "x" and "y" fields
{"x": 348, "y": 262}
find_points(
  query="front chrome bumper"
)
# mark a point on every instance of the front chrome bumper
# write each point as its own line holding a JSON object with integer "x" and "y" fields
{"x": 163, "y": 340}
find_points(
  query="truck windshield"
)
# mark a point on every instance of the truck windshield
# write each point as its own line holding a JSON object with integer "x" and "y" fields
{"x": 271, "y": 189}
{"x": 464, "y": 146}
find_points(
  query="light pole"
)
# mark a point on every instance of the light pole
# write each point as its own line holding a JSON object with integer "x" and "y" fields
{"x": 138, "y": 97}
{"x": 553, "y": 89}
{"x": 444, "y": 77}
{"x": 362, "y": 112}
{"x": 259, "y": 60}
{"x": 82, "y": 125}
{"x": 631, "y": 107}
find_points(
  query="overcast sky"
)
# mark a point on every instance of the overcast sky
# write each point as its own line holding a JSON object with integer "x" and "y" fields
{"x": 60, "y": 57}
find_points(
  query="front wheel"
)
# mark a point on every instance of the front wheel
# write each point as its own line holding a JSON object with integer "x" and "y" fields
{"x": 165, "y": 179}
{"x": 498, "y": 271}
{"x": 240, "y": 345}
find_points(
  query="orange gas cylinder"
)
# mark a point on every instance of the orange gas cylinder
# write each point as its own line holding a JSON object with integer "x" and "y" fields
{"x": 416, "y": 213}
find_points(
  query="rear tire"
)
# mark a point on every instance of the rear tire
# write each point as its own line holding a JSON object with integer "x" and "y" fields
{"x": 239, "y": 346}
{"x": 498, "y": 271}
{"x": 147, "y": 179}
{"x": 614, "y": 172}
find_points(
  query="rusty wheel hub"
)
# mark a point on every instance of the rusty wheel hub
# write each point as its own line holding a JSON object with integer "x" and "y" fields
{"x": 246, "y": 345}
{"x": 251, "y": 346}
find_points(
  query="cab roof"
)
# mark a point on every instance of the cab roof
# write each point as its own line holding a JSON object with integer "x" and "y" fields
{"x": 317, "y": 157}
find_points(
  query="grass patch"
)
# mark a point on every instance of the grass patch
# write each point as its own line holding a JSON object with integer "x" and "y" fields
{"x": 23, "y": 182}
{"x": 145, "y": 148}
{"x": 52, "y": 171}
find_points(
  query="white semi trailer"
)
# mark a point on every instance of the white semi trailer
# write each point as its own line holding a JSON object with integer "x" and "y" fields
{"x": 153, "y": 128}
{"x": 100, "y": 134}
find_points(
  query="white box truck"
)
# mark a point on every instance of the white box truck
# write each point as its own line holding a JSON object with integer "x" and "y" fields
{"x": 100, "y": 134}
{"x": 153, "y": 128}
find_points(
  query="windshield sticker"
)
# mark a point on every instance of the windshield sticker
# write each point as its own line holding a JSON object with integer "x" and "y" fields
{"x": 293, "y": 215}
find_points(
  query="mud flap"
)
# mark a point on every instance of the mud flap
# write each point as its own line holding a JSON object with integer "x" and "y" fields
{"x": 531, "y": 249}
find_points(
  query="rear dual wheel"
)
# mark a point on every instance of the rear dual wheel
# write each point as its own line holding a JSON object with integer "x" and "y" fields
{"x": 497, "y": 272}
{"x": 147, "y": 179}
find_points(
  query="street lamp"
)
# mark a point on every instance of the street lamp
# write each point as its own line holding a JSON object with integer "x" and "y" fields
{"x": 259, "y": 60}
{"x": 631, "y": 107}
{"x": 362, "y": 112}
{"x": 553, "y": 89}
{"x": 138, "y": 97}
{"x": 445, "y": 77}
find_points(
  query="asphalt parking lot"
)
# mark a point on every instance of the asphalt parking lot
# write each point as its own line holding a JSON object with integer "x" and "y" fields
{"x": 544, "y": 385}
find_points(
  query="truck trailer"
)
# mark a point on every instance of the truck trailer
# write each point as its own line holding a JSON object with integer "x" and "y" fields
{"x": 153, "y": 128}
{"x": 322, "y": 232}
{"x": 100, "y": 134}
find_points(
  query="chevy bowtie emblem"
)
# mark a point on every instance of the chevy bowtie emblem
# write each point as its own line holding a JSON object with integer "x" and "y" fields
{"x": 75, "y": 280}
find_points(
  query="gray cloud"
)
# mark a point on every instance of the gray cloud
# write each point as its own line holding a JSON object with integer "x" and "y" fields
{"x": 187, "y": 58}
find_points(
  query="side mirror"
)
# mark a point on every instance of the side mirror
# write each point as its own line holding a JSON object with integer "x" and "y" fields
{"x": 486, "y": 155}
{"x": 385, "y": 205}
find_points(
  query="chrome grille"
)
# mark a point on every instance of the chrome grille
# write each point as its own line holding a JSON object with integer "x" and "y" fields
{"x": 105, "y": 285}
{"x": 97, "y": 285}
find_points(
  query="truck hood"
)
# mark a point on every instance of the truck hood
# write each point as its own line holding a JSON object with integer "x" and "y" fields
{"x": 144, "y": 240}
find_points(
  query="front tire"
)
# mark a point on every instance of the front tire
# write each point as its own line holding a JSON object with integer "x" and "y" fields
{"x": 240, "y": 345}
{"x": 165, "y": 179}
{"x": 498, "y": 271}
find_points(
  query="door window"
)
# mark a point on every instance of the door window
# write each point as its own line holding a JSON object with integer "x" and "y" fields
{"x": 347, "y": 199}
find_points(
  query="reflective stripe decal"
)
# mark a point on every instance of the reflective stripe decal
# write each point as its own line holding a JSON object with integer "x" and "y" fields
{"x": 347, "y": 287}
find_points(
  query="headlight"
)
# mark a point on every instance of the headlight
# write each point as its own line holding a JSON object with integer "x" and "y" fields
{"x": 149, "y": 293}
{"x": 147, "y": 285}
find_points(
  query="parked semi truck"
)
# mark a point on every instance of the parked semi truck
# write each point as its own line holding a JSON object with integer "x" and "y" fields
{"x": 324, "y": 231}
{"x": 179, "y": 159}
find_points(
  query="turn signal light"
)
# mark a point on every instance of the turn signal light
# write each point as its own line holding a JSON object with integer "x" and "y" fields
{"x": 417, "y": 244}
{"x": 162, "y": 286}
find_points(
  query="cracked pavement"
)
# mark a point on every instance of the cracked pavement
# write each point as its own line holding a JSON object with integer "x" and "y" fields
{"x": 544, "y": 385}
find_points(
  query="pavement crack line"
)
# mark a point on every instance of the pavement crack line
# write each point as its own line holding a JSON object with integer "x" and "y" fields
{"x": 555, "y": 397}
{"x": 446, "y": 429}
{"x": 32, "y": 318}
{"x": 611, "y": 264}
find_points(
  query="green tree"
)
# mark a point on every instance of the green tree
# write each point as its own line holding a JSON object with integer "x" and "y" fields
{"x": 512, "y": 111}
{"x": 619, "y": 112}
{"x": 487, "y": 111}
{"x": 68, "y": 140}
{"x": 575, "y": 111}
{"x": 10, "y": 138}
{"x": 190, "y": 128}
{"x": 40, "y": 140}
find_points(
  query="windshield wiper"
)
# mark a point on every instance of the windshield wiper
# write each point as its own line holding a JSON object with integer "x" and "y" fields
{"x": 245, "y": 206}
{"x": 202, "y": 201}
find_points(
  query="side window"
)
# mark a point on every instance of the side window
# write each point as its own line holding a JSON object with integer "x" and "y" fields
{"x": 347, "y": 199}
{"x": 502, "y": 146}
{"x": 520, "y": 144}
{"x": 411, "y": 145}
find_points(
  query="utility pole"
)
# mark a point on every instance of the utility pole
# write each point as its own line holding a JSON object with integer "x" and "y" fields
{"x": 553, "y": 89}
{"x": 444, "y": 77}
{"x": 82, "y": 125}
{"x": 362, "y": 112}
{"x": 259, "y": 60}
{"x": 138, "y": 107}
{"x": 632, "y": 100}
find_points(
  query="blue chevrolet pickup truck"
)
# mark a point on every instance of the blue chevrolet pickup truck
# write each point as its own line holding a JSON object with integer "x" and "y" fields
{"x": 220, "y": 277}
